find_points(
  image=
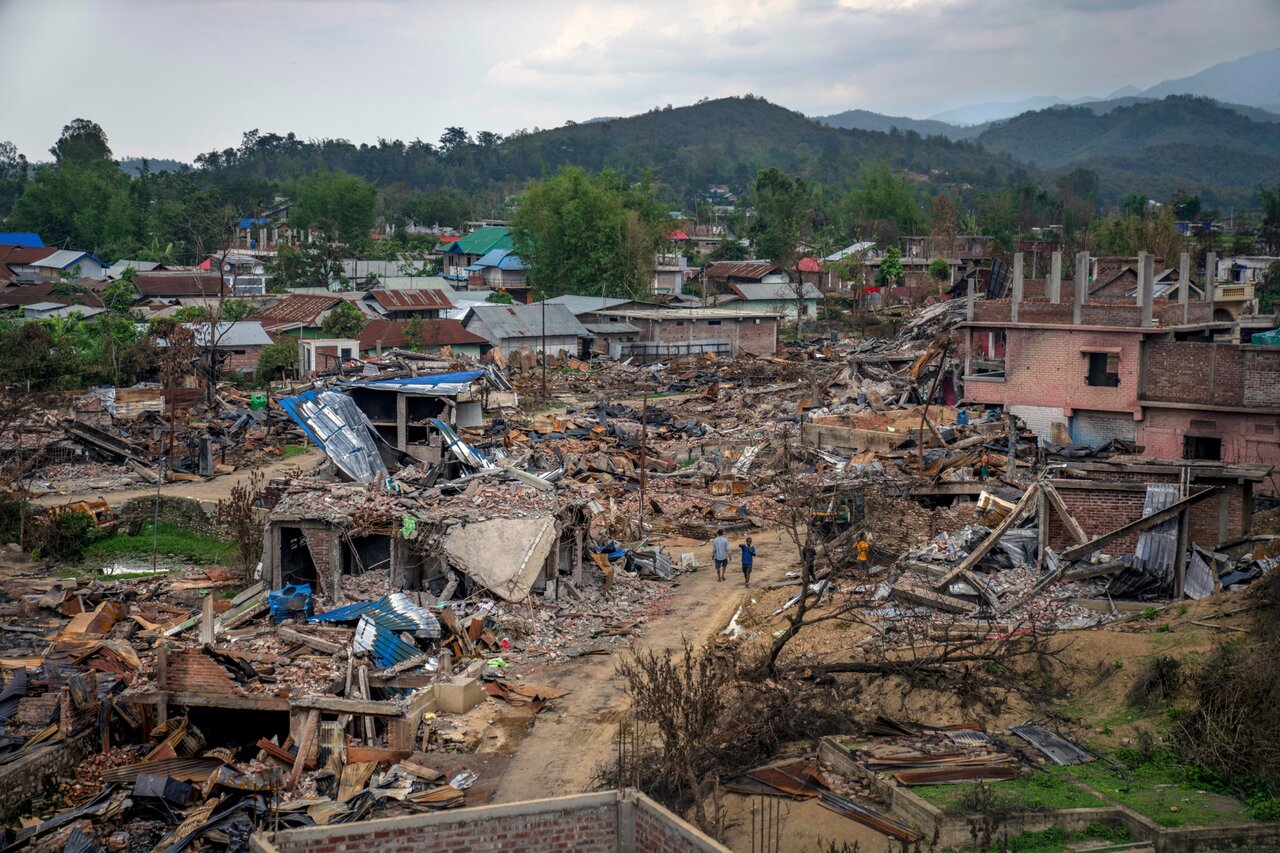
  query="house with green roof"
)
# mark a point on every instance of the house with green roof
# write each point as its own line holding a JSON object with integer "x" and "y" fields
{"x": 465, "y": 251}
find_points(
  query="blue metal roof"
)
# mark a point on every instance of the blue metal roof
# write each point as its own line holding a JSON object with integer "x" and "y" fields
{"x": 503, "y": 259}
{"x": 250, "y": 221}
{"x": 29, "y": 239}
{"x": 383, "y": 644}
{"x": 395, "y": 612}
{"x": 434, "y": 379}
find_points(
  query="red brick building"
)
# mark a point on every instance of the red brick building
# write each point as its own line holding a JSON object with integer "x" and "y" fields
{"x": 1091, "y": 370}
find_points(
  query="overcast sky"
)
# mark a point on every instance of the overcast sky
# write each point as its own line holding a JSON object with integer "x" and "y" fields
{"x": 172, "y": 78}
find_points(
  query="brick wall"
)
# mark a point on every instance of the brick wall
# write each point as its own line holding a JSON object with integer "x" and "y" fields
{"x": 611, "y": 822}
{"x": 1098, "y": 509}
{"x": 241, "y": 360}
{"x": 1212, "y": 374}
{"x": 1092, "y": 313}
{"x": 38, "y": 774}
{"x": 589, "y": 830}
{"x": 1246, "y": 438}
{"x": 1046, "y": 368}
{"x": 190, "y": 670}
{"x": 1261, "y": 385}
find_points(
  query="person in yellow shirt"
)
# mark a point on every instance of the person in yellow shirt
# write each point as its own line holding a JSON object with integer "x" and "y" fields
{"x": 862, "y": 550}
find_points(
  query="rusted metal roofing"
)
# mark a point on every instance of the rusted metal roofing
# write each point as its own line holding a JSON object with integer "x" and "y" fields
{"x": 435, "y": 333}
{"x": 411, "y": 300}
{"x": 295, "y": 310}
{"x": 952, "y": 775}
{"x": 151, "y": 285}
{"x": 754, "y": 270}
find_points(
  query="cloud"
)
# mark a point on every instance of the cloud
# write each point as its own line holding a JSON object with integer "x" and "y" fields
{"x": 184, "y": 76}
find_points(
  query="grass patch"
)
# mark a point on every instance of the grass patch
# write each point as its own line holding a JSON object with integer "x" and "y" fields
{"x": 1042, "y": 791}
{"x": 1162, "y": 790}
{"x": 291, "y": 450}
{"x": 171, "y": 540}
{"x": 1055, "y": 840}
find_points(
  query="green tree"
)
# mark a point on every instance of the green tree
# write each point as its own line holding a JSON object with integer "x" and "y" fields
{"x": 119, "y": 295}
{"x": 277, "y": 361}
{"x": 1268, "y": 289}
{"x": 234, "y": 310}
{"x": 587, "y": 233}
{"x": 1134, "y": 204}
{"x": 334, "y": 201}
{"x": 499, "y": 297}
{"x": 783, "y": 216}
{"x": 344, "y": 321}
{"x": 884, "y": 205}
{"x": 891, "y": 270}
{"x": 415, "y": 331}
{"x": 939, "y": 269}
{"x": 86, "y": 206}
{"x": 82, "y": 143}
{"x": 13, "y": 176}
{"x": 189, "y": 314}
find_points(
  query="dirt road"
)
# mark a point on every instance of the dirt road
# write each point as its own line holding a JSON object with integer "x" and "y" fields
{"x": 569, "y": 741}
{"x": 208, "y": 490}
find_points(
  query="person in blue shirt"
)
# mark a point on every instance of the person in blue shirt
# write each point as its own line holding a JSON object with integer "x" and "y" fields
{"x": 720, "y": 553}
{"x": 748, "y": 558}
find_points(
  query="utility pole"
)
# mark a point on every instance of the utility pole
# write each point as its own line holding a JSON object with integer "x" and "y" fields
{"x": 544, "y": 348}
{"x": 644, "y": 442}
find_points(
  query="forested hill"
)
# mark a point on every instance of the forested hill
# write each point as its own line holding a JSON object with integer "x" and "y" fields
{"x": 1146, "y": 138}
{"x": 722, "y": 141}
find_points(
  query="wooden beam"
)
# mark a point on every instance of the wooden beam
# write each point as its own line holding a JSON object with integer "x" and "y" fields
{"x": 287, "y": 633}
{"x": 1069, "y": 520}
{"x": 1020, "y": 509}
{"x": 919, "y": 594}
{"x": 309, "y": 731}
{"x": 334, "y": 705}
{"x": 1161, "y": 515}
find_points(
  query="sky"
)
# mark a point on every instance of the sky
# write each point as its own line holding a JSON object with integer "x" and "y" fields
{"x": 173, "y": 78}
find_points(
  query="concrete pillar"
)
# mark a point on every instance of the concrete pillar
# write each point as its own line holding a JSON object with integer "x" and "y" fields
{"x": 969, "y": 298}
{"x": 1082, "y": 286}
{"x": 1147, "y": 288}
{"x": 1053, "y": 288}
{"x": 1184, "y": 285}
{"x": 1142, "y": 271}
{"x": 1210, "y": 279}
{"x": 1016, "y": 298}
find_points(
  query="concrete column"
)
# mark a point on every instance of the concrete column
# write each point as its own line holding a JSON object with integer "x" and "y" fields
{"x": 1016, "y": 298}
{"x": 1082, "y": 286}
{"x": 1210, "y": 279}
{"x": 1142, "y": 271}
{"x": 1184, "y": 285}
{"x": 969, "y": 298}
{"x": 1146, "y": 288}
{"x": 1053, "y": 288}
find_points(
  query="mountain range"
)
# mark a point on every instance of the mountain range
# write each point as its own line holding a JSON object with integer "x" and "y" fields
{"x": 1249, "y": 85}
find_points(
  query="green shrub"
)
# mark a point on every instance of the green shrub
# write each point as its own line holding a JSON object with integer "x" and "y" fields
{"x": 64, "y": 536}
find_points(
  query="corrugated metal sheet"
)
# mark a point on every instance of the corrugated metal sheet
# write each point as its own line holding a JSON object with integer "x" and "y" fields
{"x": 1157, "y": 546}
{"x": 439, "y": 385}
{"x": 1059, "y": 750}
{"x": 525, "y": 321}
{"x": 383, "y": 644}
{"x": 741, "y": 269}
{"x": 341, "y": 430}
{"x": 395, "y": 612}
{"x": 411, "y": 300}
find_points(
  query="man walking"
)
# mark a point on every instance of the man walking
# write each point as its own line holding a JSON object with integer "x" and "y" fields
{"x": 748, "y": 558}
{"x": 720, "y": 553}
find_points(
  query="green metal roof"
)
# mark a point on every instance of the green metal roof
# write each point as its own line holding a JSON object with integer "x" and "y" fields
{"x": 481, "y": 241}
